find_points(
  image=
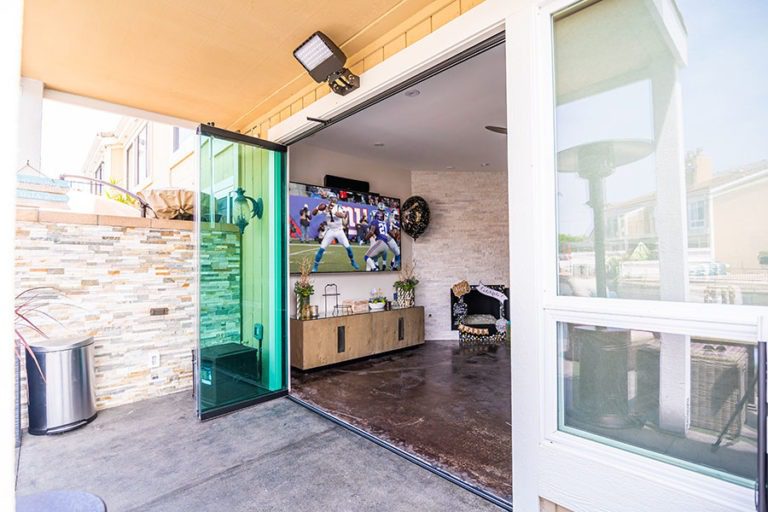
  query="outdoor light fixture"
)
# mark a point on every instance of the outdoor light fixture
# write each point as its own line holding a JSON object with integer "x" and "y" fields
{"x": 324, "y": 61}
{"x": 245, "y": 208}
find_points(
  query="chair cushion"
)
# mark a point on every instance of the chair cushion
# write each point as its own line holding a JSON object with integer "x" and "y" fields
{"x": 484, "y": 319}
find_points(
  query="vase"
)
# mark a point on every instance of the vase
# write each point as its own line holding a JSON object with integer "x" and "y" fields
{"x": 405, "y": 298}
{"x": 303, "y": 309}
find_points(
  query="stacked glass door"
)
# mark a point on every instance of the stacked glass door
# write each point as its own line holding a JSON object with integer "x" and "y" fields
{"x": 241, "y": 358}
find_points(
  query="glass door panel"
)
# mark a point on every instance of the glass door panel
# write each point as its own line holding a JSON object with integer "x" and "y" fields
{"x": 241, "y": 251}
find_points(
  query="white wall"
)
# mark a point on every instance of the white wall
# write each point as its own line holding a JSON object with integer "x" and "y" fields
{"x": 467, "y": 238}
{"x": 309, "y": 164}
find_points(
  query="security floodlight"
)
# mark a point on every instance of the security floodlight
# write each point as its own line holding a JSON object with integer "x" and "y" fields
{"x": 324, "y": 61}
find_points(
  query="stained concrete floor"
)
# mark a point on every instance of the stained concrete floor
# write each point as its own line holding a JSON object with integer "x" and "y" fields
{"x": 278, "y": 456}
{"x": 447, "y": 405}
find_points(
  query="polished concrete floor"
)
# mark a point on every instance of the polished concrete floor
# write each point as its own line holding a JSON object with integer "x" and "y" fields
{"x": 277, "y": 456}
{"x": 446, "y": 405}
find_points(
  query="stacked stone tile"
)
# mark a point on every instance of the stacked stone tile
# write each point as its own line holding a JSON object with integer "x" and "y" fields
{"x": 220, "y": 285}
{"x": 467, "y": 238}
{"x": 112, "y": 271}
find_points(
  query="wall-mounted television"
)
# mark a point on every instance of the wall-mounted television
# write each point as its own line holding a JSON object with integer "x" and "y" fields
{"x": 340, "y": 230}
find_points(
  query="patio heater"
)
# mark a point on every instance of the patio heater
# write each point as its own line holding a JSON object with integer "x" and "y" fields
{"x": 594, "y": 162}
{"x": 604, "y": 397}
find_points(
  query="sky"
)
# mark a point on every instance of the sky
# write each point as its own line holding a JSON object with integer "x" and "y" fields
{"x": 724, "y": 112}
{"x": 67, "y": 135}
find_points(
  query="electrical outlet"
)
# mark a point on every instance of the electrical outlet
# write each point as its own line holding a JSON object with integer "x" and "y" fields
{"x": 154, "y": 359}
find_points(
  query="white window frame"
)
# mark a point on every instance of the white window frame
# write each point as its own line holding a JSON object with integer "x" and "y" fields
{"x": 131, "y": 152}
{"x": 697, "y": 223}
{"x": 572, "y": 471}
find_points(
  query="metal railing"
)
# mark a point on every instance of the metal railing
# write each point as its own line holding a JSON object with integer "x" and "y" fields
{"x": 144, "y": 206}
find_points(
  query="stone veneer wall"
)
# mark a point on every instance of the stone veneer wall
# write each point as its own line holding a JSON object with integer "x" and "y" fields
{"x": 112, "y": 271}
{"x": 468, "y": 238}
{"x": 220, "y": 285}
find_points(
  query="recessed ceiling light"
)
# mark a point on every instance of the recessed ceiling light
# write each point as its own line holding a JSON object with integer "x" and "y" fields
{"x": 413, "y": 93}
{"x": 497, "y": 129}
{"x": 449, "y": 167}
{"x": 378, "y": 144}
{"x": 484, "y": 164}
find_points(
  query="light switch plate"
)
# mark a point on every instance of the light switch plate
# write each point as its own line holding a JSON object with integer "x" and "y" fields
{"x": 154, "y": 359}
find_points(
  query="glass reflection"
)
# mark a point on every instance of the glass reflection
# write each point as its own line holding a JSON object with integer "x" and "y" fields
{"x": 662, "y": 163}
{"x": 690, "y": 401}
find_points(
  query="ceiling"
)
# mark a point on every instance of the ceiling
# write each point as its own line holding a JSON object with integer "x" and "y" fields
{"x": 198, "y": 60}
{"x": 441, "y": 128}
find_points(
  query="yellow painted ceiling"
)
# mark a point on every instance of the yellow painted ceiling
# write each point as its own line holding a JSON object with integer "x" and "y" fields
{"x": 200, "y": 60}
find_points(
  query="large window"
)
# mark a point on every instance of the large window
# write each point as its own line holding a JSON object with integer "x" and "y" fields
{"x": 661, "y": 183}
{"x": 130, "y": 164}
{"x": 661, "y": 152}
{"x": 97, "y": 188}
{"x": 137, "y": 160}
{"x": 142, "y": 169}
{"x": 610, "y": 387}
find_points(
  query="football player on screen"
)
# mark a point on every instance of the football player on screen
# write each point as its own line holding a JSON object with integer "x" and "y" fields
{"x": 379, "y": 231}
{"x": 394, "y": 240}
{"x": 335, "y": 215}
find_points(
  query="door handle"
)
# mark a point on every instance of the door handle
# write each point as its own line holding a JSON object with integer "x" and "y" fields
{"x": 761, "y": 497}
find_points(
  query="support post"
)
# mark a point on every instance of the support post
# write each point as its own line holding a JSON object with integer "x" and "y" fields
{"x": 672, "y": 233}
{"x": 30, "y": 124}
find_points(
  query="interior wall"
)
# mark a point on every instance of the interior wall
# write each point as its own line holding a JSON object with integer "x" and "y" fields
{"x": 309, "y": 164}
{"x": 467, "y": 239}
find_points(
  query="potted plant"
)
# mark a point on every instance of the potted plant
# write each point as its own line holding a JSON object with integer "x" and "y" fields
{"x": 377, "y": 300}
{"x": 304, "y": 290}
{"x": 406, "y": 286}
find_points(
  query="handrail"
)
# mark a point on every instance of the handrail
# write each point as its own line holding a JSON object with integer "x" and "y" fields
{"x": 144, "y": 204}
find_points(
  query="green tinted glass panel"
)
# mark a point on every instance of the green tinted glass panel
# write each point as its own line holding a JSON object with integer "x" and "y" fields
{"x": 242, "y": 273}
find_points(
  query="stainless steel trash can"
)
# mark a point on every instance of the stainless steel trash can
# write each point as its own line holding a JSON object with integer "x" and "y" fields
{"x": 65, "y": 399}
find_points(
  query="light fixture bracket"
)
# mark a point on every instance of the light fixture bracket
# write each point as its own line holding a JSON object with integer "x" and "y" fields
{"x": 343, "y": 81}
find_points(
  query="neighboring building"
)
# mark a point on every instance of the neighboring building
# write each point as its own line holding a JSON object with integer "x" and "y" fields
{"x": 141, "y": 155}
{"x": 716, "y": 204}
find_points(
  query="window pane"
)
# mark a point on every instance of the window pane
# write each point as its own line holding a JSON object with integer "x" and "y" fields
{"x": 130, "y": 162}
{"x": 682, "y": 399}
{"x": 662, "y": 166}
{"x": 142, "y": 170}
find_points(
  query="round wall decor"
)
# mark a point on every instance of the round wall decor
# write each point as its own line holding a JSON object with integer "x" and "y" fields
{"x": 415, "y": 216}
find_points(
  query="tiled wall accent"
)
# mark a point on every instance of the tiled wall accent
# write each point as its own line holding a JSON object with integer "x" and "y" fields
{"x": 112, "y": 271}
{"x": 220, "y": 285}
{"x": 467, "y": 238}
{"x": 548, "y": 506}
{"x": 407, "y": 33}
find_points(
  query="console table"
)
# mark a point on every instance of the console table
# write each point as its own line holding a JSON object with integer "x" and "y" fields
{"x": 334, "y": 339}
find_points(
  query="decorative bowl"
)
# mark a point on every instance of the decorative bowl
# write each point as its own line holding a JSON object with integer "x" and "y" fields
{"x": 376, "y": 306}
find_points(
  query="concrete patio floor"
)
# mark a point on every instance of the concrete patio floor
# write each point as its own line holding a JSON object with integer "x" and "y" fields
{"x": 155, "y": 456}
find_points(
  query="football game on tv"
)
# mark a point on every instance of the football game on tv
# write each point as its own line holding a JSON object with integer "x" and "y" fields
{"x": 343, "y": 231}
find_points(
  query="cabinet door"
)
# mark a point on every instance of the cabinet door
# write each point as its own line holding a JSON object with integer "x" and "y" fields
{"x": 384, "y": 331}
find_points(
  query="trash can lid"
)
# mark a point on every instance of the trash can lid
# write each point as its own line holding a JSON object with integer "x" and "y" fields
{"x": 59, "y": 344}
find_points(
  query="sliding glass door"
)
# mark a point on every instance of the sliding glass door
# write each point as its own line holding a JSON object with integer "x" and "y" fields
{"x": 241, "y": 357}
